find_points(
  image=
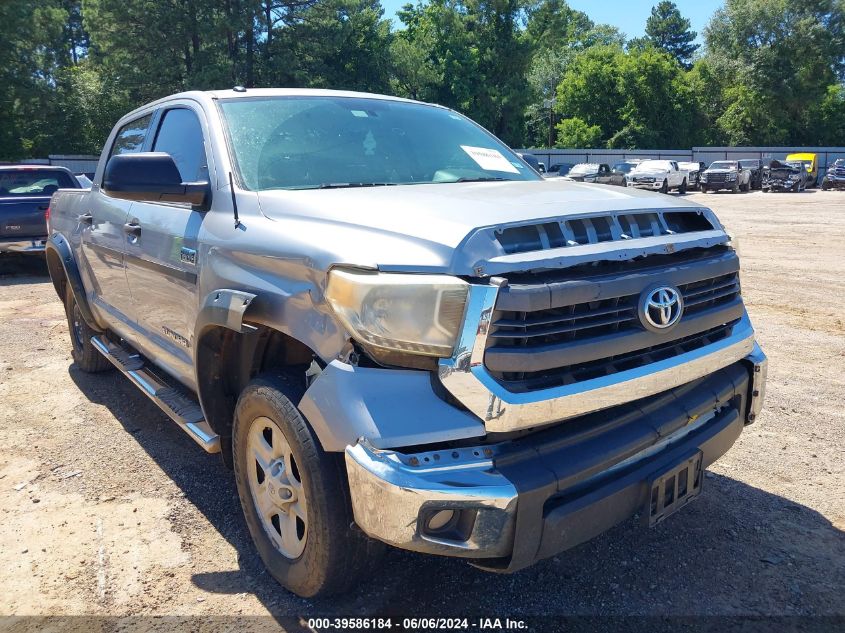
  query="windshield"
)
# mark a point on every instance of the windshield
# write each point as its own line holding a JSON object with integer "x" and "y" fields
{"x": 623, "y": 168}
{"x": 32, "y": 182}
{"x": 584, "y": 168}
{"x": 653, "y": 164}
{"x": 749, "y": 163}
{"x": 723, "y": 164}
{"x": 321, "y": 142}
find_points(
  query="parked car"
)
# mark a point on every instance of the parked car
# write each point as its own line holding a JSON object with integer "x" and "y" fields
{"x": 659, "y": 175}
{"x": 588, "y": 172}
{"x": 559, "y": 169}
{"x": 25, "y": 192}
{"x": 419, "y": 342}
{"x": 811, "y": 166}
{"x": 834, "y": 178}
{"x": 619, "y": 173}
{"x": 755, "y": 169}
{"x": 694, "y": 170}
{"x": 725, "y": 174}
{"x": 785, "y": 176}
{"x": 537, "y": 165}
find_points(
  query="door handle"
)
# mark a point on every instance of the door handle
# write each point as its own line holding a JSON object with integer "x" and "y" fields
{"x": 132, "y": 228}
{"x": 85, "y": 218}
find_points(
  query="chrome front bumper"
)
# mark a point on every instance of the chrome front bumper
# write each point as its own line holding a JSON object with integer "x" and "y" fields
{"x": 22, "y": 246}
{"x": 467, "y": 379}
{"x": 395, "y": 495}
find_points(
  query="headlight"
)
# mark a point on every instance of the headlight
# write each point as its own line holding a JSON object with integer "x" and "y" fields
{"x": 416, "y": 314}
{"x": 731, "y": 176}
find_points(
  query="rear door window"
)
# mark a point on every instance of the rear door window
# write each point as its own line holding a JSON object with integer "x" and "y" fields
{"x": 180, "y": 135}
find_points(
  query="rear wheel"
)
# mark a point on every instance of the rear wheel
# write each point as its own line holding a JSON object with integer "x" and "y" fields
{"x": 85, "y": 355}
{"x": 294, "y": 495}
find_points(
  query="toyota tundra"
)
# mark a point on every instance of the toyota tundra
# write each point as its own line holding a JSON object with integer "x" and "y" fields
{"x": 395, "y": 331}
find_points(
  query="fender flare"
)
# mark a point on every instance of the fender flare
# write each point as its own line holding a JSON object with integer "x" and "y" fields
{"x": 57, "y": 247}
{"x": 223, "y": 308}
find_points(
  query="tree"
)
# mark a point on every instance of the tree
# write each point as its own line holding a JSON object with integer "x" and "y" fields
{"x": 576, "y": 133}
{"x": 668, "y": 30}
{"x": 780, "y": 57}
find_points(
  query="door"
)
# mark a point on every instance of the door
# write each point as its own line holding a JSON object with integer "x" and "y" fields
{"x": 161, "y": 255}
{"x": 603, "y": 176}
{"x": 104, "y": 233}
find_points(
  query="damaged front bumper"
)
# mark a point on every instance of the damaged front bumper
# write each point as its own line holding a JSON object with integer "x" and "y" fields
{"x": 510, "y": 504}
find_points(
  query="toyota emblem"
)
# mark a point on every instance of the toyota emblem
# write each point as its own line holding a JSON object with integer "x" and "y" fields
{"x": 661, "y": 308}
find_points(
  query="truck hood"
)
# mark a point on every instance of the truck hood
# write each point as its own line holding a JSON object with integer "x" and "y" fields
{"x": 449, "y": 227}
{"x": 649, "y": 172}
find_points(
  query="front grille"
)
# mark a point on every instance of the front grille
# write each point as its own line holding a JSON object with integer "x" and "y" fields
{"x": 593, "y": 229}
{"x": 595, "y": 318}
{"x": 717, "y": 177}
{"x": 576, "y": 340}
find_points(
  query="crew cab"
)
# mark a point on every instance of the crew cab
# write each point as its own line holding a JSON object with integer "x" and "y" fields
{"x": 395, "y": 331}
{"x": 25, "y": 192}
{"x": 725, "y": 174}
{"x": 659, "y": 175}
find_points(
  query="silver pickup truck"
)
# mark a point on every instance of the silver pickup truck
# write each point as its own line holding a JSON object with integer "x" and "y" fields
{"x": 395, "y": 331}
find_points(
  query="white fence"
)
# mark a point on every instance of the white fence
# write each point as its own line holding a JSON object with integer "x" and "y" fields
{"x": 77, "y": 163}
{"x": 705, "y": 154}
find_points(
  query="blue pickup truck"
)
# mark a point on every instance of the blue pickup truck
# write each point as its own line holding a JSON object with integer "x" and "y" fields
{"x": 25, "y": 192}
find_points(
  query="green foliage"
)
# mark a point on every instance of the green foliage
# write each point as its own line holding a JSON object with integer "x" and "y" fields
{"x": 576, "y": 133}
{"x": 647, "y": 99}
{"x": 779, "y": 59}
{"x": 535, "y": 72}
{"x": 667, "y": 29}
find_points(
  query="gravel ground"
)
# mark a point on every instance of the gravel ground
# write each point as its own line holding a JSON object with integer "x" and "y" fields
{"x": 107, "y": 508}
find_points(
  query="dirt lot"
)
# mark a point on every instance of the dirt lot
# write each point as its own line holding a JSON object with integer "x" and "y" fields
{"x": 106, "y": 507}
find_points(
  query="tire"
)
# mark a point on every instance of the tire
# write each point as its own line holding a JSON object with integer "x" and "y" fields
{"x": 325, "y": 554}
{"x": 665, "y": 187}
{"x": 735, "y": 188}
{"x": 84, "y": 354}
{"x": 683, "y": 188}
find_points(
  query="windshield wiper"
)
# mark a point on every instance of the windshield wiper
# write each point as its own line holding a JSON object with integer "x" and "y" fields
{"x": 481, "y": 179}
{"x": 349, "y": 185}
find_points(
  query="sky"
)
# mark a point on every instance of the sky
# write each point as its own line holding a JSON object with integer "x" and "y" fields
{"x": 628, "y": 15}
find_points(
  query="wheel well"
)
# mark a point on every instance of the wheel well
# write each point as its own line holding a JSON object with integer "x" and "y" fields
{"x": 57, "y": 273}
{"x": 227, "y": 360}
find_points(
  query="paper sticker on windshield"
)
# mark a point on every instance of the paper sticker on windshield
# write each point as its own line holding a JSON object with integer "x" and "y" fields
{"x": 489, "y": 159}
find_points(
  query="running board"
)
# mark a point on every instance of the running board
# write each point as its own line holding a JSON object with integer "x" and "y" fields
{"x": 180, "y": 408}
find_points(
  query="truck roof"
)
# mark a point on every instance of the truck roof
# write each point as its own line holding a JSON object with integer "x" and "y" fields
{"x": 207, "y": 96}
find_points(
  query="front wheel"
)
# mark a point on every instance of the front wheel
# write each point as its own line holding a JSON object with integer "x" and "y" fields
{"x": 665, "y": 187}
{"x": 294, "y": 495}
{"x": 683, "y": 188}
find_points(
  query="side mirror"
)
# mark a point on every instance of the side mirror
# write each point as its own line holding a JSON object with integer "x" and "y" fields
{"x": 152, "y": 177}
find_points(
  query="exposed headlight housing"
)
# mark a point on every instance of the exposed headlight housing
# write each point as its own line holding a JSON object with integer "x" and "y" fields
{"x": 732, "y": 176}
{"x": 410, "y": 314}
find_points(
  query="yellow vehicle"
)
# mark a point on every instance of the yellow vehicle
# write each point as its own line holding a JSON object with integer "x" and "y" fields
{"x": 811, "y": 164}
